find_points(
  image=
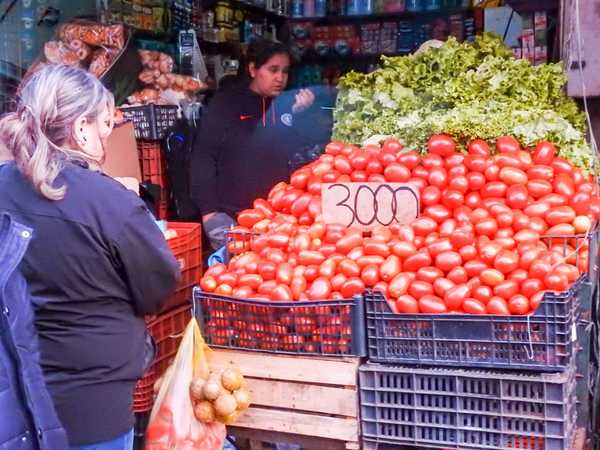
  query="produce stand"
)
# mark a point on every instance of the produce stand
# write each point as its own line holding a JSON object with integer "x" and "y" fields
{"x": 309, "y": 401}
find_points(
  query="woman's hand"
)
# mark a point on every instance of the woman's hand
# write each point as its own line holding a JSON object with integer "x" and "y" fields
{"x": 304, "y": 99}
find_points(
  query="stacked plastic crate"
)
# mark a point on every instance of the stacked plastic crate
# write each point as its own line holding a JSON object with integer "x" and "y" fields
{"x": 151, "y": 123}
{"x": 459, "y": 381}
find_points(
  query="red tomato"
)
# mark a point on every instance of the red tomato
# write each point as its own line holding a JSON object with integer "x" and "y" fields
{"x": 447, "y": 260}
{"x": 298, "y": 286}
{"x": 486, "y": 227}
{"x": 359, "y": 175}
{"x": 556, "y": 281}
{"x": 454, "y": 160}
{"x": 420, "y": 172}
{"x": 404, "y": 249}
{"x": 375, "y": 247}
{"x": 518, "y": 305}
{"x": 554, "y": 199}
{"x": 517, "y": 196}
{"x": 359, "y": 160}
{"x": 563, "y": 184}
{"x": 431, "y": 195}
{"x": 507, "y": 160}
{"x": 431, "y": 160}
{"x": 559, "y": 214}
{"x": 473, "y": 306}
{"x": 429, "y": 274}
{"x": 459, "y": 183}
{"x": 310, "y": 257}
{"x": 539, "y": 188}
{"x": 407, "y": 304}
{"x": 458, "y": 275}
{"x": 320, "y": 289}
{"x": 482, "y": 293}
{"x": 392, "y": 145}
{"x": 535, "y": 300}
{"x": 420, "y": 288}
{"x": 476, "y": 180}
{"x": 468, "y": 252}
{"x": 569, "y": 270}
{"x": 441, "y": 144}
{"x": 463, "y": 213}
{"x": 248, "y": 217}
{"x": 422, "y": 226}
{"x": 506, "y": 289}
{"x": 208, "y": 283}
{"x": 348, "y": 242}
{"x": 438, "y": 177}
{"x": 474, "y": 267}
{"x": 544, "y": 153}
{"x": 539, "y": 269}
{"x": 476, "y": 163}
{"x": 512, "y": 175}
{"x": 381, "y": 287}
{"x": 478, "y": 147}
{"x": 397, "y": 172}
{"x": 507, "y": 144}
{"x": 349, "y": 268}
{"x": 489, "y": 251}
{"x": 409, "y": 159}
{"x": 390, "y": 268}
{"x": 282, "y": 293}
{"x": 416, "y": 261}
{"x": 460, "y": 238}
{"x": 491, "y": 277}
{"x": 452, "y": 199}
{"x": 342, "y": 165}
{"x": 506, "y": 261}
{"x": 370, "y": 275}
{"x": 399, "y": 285}
{"x": 439, "y": 213}
{"x": 454, "y": 297}
{"x": 526, "y": 236}
{"x": 370, "y": 259}
{"x": 442, "y": 285}
{"x": 334, "y": 148}
{"x": 519, "y": 275}
{"x": 353, "y": 286}
{"x": 494, "y": 189}
{"x": 374, "y": 166}
{"x": 538, "y": 172}
{"x": 531, "y": 286}
{"x": 497, "y": 306}
{"x": 472, "y": 199}
{"x": 447, "y": 227}
{"x": 561, "y": 166}
{"x": 580, "y": 202}
{"x": 492, "y": 173}
{"x": 431, "y": 304}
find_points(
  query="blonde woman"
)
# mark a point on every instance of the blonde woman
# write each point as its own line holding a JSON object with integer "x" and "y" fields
{"x": 97, "y": 262}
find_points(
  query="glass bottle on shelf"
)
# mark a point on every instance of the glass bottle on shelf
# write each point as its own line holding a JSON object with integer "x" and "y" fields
{"x": 414, "y": 5}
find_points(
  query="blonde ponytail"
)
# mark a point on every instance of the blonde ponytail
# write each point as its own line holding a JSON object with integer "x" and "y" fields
{"x": 39, "y": 134}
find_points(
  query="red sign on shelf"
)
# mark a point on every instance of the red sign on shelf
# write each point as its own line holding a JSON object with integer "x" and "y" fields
{"x": 368, "y": 205}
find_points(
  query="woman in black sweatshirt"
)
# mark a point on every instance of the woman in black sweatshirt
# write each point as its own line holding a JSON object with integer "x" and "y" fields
{"x": 246, "y": 139}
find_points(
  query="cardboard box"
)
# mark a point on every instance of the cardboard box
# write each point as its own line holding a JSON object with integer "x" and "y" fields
{"x": 122, "y": 158}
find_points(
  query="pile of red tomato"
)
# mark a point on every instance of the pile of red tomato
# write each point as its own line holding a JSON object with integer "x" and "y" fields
{"x": 486, "y": 241}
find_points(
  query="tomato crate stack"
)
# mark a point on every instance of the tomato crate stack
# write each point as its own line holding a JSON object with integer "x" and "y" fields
{"x": 465, "y": 381}
{"x": 154, "y": 171}
{"x": 166, "y": 328}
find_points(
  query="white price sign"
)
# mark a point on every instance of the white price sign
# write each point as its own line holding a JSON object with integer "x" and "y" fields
{"x": 368, "y": 205}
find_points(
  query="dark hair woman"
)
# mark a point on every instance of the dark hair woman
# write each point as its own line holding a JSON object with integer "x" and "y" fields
{"x": 246, "y": 139}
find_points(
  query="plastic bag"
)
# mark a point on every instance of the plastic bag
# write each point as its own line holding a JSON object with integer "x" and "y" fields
{"x": 172, "y": 424}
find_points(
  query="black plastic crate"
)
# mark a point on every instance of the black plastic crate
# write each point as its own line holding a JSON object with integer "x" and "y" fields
{"x": 151, "y": 122}
{"x": 326, "y": 328}
{"x": 466, "y": 409}
{"x": 542, "y": 341}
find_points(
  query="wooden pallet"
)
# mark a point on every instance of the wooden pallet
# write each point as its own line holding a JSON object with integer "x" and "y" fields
{"x": 309, "y": 401}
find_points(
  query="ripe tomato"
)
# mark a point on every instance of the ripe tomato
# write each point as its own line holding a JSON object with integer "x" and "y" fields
{"x": 399, "y": 285}
{"x": 452, "y": 199}
{"x": 468, "y": 252}
{"x": 506, "y": 261}
{"x": 580, "y": 202}
{"x": 563, "y": 184}
{"x": 375, "y": 247}
{"x": 439, "y": 213}
{"x": 208, "y": 283}
{"x": 403, "y": 249}
{"x": 531, "y": 286}
{"x": 409, "y": 159}
{"x": 320, "y": 289}
{"x": 535, "y": 300}
{"x": 422, "y": 226}
{"x": 518, "y": 305}
{"x": 494, "y": 189}
{"x": 431, "y": 160}
{"x": 554, "y": 199}
{"x": 282, "y": 293}
{"x": 524, "y": 236}
{"x": 482, "y": 293}
{"x": 310, "y": 257}
{"x": 559, "y": 214}
{"x": 539, "y": 188}
{"x": 447, "y": 227}
{"x": 429, "y": 274}
{"x": 472, "y": 200}
{"x": 370, "y": 259}
{"x": 438, "y": 177}
{"x": 442, "y": 285}
{"x": 298, "y": 286}
{"x": 473, "y": 306}
{"x": 476, "y": 180}
{"x": 569, "y": 270}
{"x": 348, "y": 242}
{"x": 491, "y": 277}
{"x": 488, "y": 252}
{"x": 359, "y": 175}
{"x": 507, "y": 144}
{"x": 556, "y": 281}
{"x": 486, "y": 227}
{"x": 512, "y": 175}
{"x": 540, "y": 172}
{"x": 454, "y": 297}
{"x": 392, "y": 145}
{"x": 370, "y": 275}
{"x": 537, "y": 209}
{"x": 519, "y": 275}
{"x": 407, "y": 304}
{"x": 342, "y": 165}
{"x": 431, "y": 195}
{"x": 460, "y": 238}
{"x": 561, "y": 166}
{"x": 474, "y": 267}
{"x": 390, "y": 268}
{"x": 431, "y": 304}
{"x": 478, "y": 147}
{"x": 454, "y": 160}
{"x": 416, "y": 261}
{"x": 476, "y": 163}
{"x": 497, "y": 306}
{"x": 506, "y": 289}
{"x": 396, "y": 172}
{"x": 544, "y": 153}
{"x": 458, "y": 275}
{"x": 539, "y": 269}
{"x": 353, "y": 286}
{"x": 420, "y": 288}
{"x": 349, "y": 268}
{"x": 327, "y": 268}
{"x": 447, "y": 260}
{"x": 441, "y": 144}
{"x": 459, "y": 183}
{"x": 517, "y": 196}
{"x": 492, "y": 173}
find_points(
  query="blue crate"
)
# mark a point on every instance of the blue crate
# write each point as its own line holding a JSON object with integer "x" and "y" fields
{"x": 466, "y": 409}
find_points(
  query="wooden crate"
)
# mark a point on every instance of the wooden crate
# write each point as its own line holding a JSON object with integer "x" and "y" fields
{"x": 309, "y": 401}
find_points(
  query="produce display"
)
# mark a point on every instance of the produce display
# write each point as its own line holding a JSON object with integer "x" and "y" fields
{"x": 157, "y": 75}
{"x": 486, "y": 240}
{"x": 85, "y": 44}
{"x": 466, "y": 90}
